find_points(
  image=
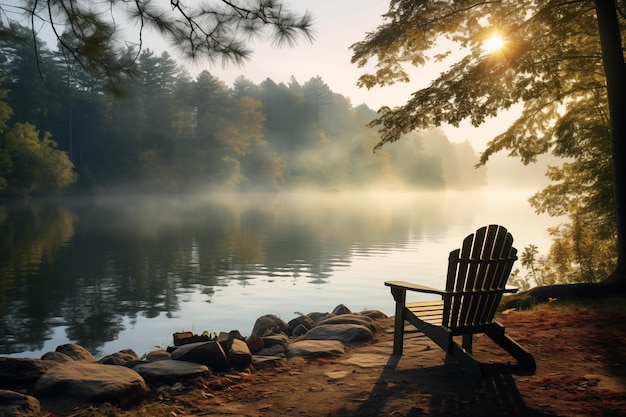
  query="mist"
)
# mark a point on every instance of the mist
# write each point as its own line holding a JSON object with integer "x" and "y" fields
{"x": 169, "y": 132}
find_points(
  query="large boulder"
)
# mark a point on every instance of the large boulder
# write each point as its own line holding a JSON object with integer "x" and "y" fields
{"x": 73, "y": 384}
{"x": 20, "y": 374}
{"x": 13, "y": 404}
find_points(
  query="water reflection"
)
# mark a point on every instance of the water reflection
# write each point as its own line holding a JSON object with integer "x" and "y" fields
{"x": 94, "y": 267}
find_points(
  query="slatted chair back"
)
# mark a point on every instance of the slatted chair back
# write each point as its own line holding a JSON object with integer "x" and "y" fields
{"x": 477, "y": 276}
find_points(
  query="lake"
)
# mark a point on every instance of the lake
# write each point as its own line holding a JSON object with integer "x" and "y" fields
{"x": 120, "y": 272}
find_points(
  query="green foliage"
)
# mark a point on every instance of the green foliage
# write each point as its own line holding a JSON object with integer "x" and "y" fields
{"x": 28, "y": 163}
{"x": 552, "y": 65}
{"x": 90, "y": 34}
{"x": 33, "y": 163}
{"x": 171, "y": 132}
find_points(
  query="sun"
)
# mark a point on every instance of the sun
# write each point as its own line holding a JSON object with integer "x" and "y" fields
{"x": 494, "y": 43}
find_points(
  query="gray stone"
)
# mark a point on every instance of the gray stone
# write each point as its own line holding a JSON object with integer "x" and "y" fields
{"x": 13, "y": 404}
{"x": 210, "y": 354}
{"x": 276, "y": 350}
{"x": 300, "y": 321}
{"x": 239, "y": 356}
{"x": 350, "y": 334}
{"x": 317, "y": 317}
{"x": 341, "y": 309}
{"x": 267, "y": 362}
{"x": 308, "y": 349}
{"x": 79, "y": 383}
{"x": 56, "y": 357}
{"x": 352, "y": 319}
{"x": 168, "y": 370}
{"x": 268, "y": 325}
{"x": 158, "y": 355}
{"x": 373, "y": 314}
{"x": 120, "y": 358}
{"x": 76, "y": 352}
{"x": 22, "y": 373}
{"x": 281, "y": 339}
{"x": 73, "y": 384}
{"x": 300, "y": 330}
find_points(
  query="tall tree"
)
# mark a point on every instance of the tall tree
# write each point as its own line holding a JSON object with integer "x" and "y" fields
{"x": 558, "y": 57}
{"x": 213, "y": 30}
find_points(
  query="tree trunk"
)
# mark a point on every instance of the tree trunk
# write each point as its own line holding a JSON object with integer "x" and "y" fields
{"x": 615, "y": 69}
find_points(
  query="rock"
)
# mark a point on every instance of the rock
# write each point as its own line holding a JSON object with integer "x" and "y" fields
{"x": 168, "y": 370}
{"x": 268, "y": 325}
{"x": 239, "y": 356}
{"x": 317, "y": 317}
{"x": 73, "y": 384}
{"x": 266, "y": 362}
{"x": 352, "y": 319}
{"x": 255, "y": 343}
{"x": 300, "y": 321}
{"x": 299, "y": 330}
{"x": 13, "y": 404}
{"x": 158, "y": 355}
{"x": 120, "y": 358}
{"x": 341, "y": 309}
{"x": 349, "y": 334}
{"x": 270, "y": 341}
{"x": 21, "y": 373}
{"x": 308, "y": 349}
{"x": 210, "y": 354}
{"x": 76, "y": 352}
{"x": 56, "y": 357}
{"x": 180, "y": 336}
{"x": 373, "y": 314}
{"x": 276, "y": 350}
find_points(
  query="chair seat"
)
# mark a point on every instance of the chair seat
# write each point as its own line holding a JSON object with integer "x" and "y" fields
{"x": 430, "y": 312}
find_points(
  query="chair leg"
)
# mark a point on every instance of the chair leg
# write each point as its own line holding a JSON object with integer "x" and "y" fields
{"x": 467, "y": 361}
{"x": 398, "y": 330}
{"x": 467, "y": 342}
{"x": 523, "y": 357}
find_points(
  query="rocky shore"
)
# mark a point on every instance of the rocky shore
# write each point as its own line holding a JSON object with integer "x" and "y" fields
{"x": 71, "y": 377}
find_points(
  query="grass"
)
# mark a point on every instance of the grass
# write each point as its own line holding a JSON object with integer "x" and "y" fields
{"x": 615, "y": 304}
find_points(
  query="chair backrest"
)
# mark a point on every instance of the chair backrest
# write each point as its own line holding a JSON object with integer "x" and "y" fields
{"x": 477, "y": 276}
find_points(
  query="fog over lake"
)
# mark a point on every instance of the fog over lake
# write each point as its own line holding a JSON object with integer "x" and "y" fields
{"x": 122, "y": 272}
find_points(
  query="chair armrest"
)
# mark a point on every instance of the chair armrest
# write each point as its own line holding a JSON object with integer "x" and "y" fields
{"x": 413, "y": 287}
{"x": 403, "y": 285}
{"x": 511, "y": 290}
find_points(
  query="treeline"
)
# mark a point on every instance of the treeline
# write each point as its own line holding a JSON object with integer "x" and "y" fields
{"x": 167, "y": 131}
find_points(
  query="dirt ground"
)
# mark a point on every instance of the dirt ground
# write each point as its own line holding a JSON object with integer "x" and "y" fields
{"x": 581, "y": 371}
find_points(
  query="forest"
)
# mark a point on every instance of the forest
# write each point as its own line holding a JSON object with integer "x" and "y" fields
{"x": 162, "y": 130}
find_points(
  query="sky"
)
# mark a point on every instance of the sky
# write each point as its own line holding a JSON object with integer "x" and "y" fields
{"x": 337, "y": 25}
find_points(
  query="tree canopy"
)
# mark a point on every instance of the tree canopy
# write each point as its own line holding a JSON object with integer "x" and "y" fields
{"x": 96, "y": 35}
{"x": 171, "y": 132}
{"x": 553, "y": 62}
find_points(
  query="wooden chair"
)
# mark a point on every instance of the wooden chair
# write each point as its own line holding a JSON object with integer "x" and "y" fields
{"x": 477, "y": 276}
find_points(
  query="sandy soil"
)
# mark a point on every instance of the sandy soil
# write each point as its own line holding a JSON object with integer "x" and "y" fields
{"x": 581, "y": 371}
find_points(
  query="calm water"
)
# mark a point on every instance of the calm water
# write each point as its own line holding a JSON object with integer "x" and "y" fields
{"x": 127, "y": 272}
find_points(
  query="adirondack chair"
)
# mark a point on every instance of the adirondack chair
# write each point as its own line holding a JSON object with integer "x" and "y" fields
{"x": 476, "y": 281}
